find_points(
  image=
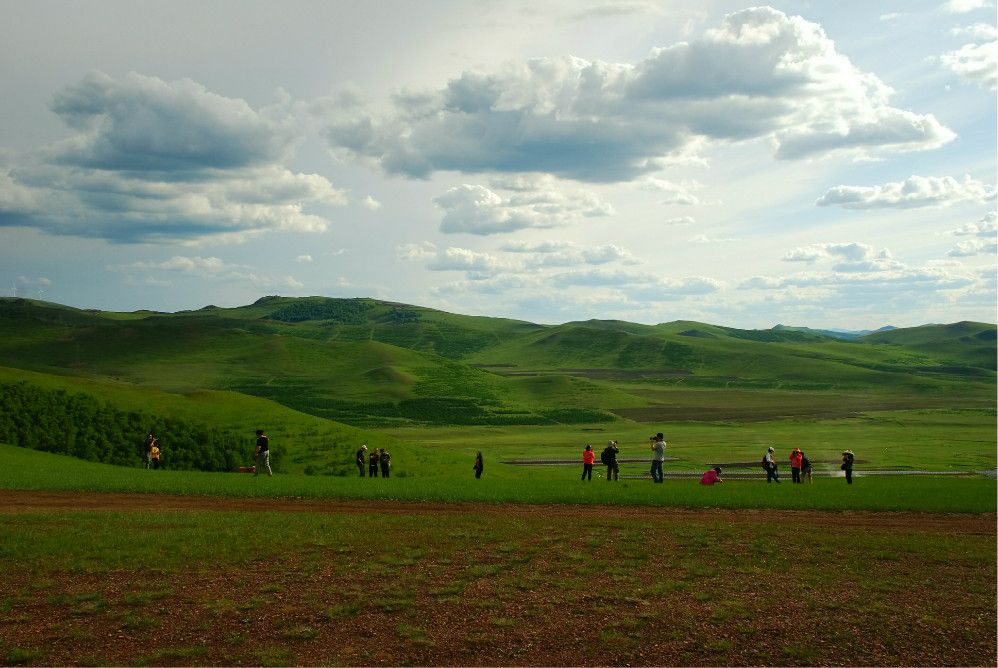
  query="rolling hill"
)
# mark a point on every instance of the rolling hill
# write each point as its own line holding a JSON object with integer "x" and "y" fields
{"x": 376, "y": 363}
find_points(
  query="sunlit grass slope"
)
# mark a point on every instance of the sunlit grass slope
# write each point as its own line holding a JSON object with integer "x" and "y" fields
{"x": 30, "y": 470}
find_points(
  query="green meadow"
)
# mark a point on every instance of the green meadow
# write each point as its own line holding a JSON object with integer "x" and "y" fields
{"x": 529, "y": 564}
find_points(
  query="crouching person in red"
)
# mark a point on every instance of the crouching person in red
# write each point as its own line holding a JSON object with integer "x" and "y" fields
{"x": 712, "y": 476}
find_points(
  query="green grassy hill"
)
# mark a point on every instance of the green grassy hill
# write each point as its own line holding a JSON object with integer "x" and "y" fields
{"x": 370, "y": 362}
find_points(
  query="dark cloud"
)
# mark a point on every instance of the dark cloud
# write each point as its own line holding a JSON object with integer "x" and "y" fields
{"x": 161, "y": 161}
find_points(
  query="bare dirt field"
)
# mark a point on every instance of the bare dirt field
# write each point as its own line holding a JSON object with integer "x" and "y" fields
{"x": 327, "y": 582}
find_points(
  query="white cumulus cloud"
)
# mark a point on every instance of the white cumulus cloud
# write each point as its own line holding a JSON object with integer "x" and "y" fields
{"x": 760, "y": 75}
{"x": 475, "y": 209}
{"x": 915, "y": 191}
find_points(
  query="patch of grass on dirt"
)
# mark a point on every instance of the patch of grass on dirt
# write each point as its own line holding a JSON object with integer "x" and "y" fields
{"x": 465, "y": 571}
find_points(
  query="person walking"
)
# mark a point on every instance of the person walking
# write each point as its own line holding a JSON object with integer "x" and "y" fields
{"x": 362, "y": 459}
{"x": 795, "y": 465}
{"x": 588, "y": 459}
{"x": 805, "y": 468}
{"x": 712, "y": 477}
{"x": 479, "y": 465}
{"x": 372, "y": 469}
{"x": 262, "y": 454}
{"x": 658, "y": 457}
{"x": 386, "y": 462}
{"x": 609, "y": 457}
{"x": 770, "y": 465}
{"x": 847, "y": 461}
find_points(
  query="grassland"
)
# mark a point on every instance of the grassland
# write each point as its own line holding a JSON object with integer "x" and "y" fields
{"x": 30, "y": 470}
{"x": 113, "y": 565}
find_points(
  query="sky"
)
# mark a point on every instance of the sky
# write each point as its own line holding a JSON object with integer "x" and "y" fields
{"x": 829, "y": 164}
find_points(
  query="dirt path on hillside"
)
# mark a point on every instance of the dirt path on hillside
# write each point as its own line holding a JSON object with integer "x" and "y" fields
{"x": 17, "y": 501}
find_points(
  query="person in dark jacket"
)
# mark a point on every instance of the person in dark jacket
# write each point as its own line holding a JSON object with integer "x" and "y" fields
{"x": 847, "y": 461}
{"x": 609, "y": 457}
{"x": 372, "y": 470}
{"x": 362, "y": 459}
{"x": 386, "y": 462}
{"x": 479, "y": 465}
{"x": 262, "y": 453}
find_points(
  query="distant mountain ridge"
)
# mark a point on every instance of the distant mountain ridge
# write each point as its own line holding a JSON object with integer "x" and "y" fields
{"x": 838, "y": 333}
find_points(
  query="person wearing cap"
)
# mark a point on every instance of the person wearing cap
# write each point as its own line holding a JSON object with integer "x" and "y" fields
{"x": 847, "y": 460}
{"x": 712, "y": 476}
{"x": 262, "y": 453}
{"x": 770, "y": 464}
{"x": 658, "y": 458}
{"x": 795, "y": 465}
{"x": 362, "y": 459}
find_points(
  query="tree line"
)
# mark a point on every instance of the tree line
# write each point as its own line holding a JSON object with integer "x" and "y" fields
{"x": 82, "y": 426}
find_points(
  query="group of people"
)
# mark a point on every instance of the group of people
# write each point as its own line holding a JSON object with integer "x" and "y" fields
{"x": 378, "y": 458}
{"x": 800, "y": 464}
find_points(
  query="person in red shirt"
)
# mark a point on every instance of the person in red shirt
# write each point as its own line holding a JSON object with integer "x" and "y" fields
{"x": 588, "y": 459}
{"x": 712, "y": 477}
{"x": 795, "y": 461}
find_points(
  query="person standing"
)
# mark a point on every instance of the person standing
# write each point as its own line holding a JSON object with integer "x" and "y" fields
{"x": 805, "y": 468}
{"x": 479, "y": 465}
{"x": 795, "y": 465}
{"x": 770, "y": 465}
{"x": 588, "y": 459}
{"x": 154, "y": 453}
{"x": 847, "y": 461}
{"x": 372, "y": 469}
{"x": 262, "y": 454}
{"x": 386, "y": 462}
{"x": 150, "y": 440}
{"x": 712, "y": 477}
{"x": 609, "y": 457}
{"x": 658, "y": 457}
{"x": 362, "y": 459}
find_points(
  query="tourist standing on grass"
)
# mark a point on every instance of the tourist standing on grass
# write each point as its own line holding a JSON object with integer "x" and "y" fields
{"x": 479, "y": 465}
{"x": 362, "y": 459}
{"x": 712, "y": 477}
{"x": 658, "y": 457}
{"x": 372, "y": 470}
{"x": 795, "y": 465}
{"x": 386, "y": 462}
{"x": 609, "y": 457}
{"x": 154, "y": 454}
{"x": 847, "y": 461}
{"x": 150, "y": 440}
{"x": 262, "y": 453}
{"x": 805, "y": 468}
{"x": 770, "y": 465}
{"x": 588, "y": 459}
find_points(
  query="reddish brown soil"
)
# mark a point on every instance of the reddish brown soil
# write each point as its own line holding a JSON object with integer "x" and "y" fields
{"x": 560, "y": 599}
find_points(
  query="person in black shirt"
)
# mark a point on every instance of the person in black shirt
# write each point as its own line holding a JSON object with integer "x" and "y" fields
{"x": 362, "y": 459}
{"x": 262, "y": 453}
{"x": 386, "y": 462}
{"x": 373, "y": 468}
